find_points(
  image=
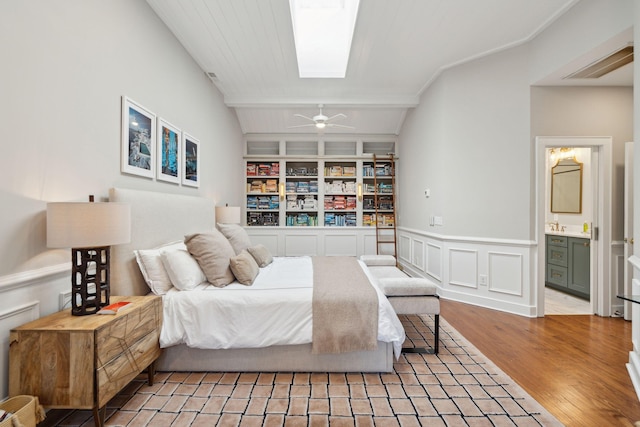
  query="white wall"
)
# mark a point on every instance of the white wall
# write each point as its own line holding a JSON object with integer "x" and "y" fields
{"x": 473, "y": 153}
{"x": 65, "y": 66}
{"x": 471, "y": 141}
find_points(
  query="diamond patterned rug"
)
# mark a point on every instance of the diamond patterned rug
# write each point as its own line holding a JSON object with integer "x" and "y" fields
{"x": 458, "y": 387}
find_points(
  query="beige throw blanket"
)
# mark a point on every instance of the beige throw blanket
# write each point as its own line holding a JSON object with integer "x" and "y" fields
{"x": 345, "y": 307}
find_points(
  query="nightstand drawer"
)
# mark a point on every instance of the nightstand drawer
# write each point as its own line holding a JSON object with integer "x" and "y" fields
{"x": 126, "y": 329}
{"x": 119, "y": 371}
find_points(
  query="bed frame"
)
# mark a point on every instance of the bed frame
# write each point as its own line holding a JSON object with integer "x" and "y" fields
{"x": 159, "y": 218}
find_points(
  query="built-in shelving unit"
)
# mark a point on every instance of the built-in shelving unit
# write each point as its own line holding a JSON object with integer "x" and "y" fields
{"x": 304, "y": 182}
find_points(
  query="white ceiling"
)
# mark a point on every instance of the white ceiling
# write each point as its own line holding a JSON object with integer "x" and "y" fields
{"x": 399, "y": 48}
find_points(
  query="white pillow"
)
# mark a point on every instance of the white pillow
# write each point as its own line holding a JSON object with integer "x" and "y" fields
{"x": 152, "y": 268}
{"x": 236, "y": 235}
{"x": 183, "y": 270}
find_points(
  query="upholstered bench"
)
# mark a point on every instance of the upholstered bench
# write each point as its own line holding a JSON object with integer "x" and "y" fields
{"x": 407, "y": 295}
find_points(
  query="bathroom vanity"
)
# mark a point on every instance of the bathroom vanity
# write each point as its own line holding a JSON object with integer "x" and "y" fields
{"x": 568, "y": 264}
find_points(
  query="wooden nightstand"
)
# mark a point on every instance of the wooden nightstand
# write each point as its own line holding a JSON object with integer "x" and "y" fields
{"x": 83, "y": 361}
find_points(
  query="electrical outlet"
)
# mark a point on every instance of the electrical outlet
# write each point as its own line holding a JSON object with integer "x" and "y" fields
{"x": 483, "y": 280}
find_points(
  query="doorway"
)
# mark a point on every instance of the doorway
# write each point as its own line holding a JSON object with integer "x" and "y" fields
{"x": 568, "y": 230}
{"x": 600, "y": 224}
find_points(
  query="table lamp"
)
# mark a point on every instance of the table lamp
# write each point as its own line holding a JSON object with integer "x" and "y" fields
{"x": 228, "y": 214}
{"x": 89, "y": 229}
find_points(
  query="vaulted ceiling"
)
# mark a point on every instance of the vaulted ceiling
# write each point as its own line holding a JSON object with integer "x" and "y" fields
{"x": 399, "y": 47}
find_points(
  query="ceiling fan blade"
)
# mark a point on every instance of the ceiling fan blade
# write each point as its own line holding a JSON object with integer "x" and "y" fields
{"x": 301, "y": 126}
{"x": 304, "y": 117}
{"x": 339, "y": 115}
{"x": 334, "y": 125}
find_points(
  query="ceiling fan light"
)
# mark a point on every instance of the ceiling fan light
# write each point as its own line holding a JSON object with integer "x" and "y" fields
{"x": 321, "y": 125}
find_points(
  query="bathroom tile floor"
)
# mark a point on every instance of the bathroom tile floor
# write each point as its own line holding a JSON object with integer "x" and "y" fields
{"x": 557, "y": 302}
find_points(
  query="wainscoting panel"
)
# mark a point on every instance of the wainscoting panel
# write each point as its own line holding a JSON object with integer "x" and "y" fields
{"x": 434, "y": 261}
{"x": 418, "y": 254}
{"x": 300, "y": 244}
{"x": 404, "y": 250}
{"x": 505, "y": 273}
{"x": 341, "y": 244}
{"x": 463, "y": 267}
{"x": 329, "y": 241}
{"x": 458, "y": 265}
{"x": 369, "y": 244}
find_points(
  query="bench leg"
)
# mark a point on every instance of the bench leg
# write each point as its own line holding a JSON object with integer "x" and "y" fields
{"x": 436, "y": 337}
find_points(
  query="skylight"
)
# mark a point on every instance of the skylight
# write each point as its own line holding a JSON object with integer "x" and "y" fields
{"x": 323, "y": 30}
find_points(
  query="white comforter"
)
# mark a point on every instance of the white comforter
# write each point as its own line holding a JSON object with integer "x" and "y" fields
{"x": 275, "y": 310}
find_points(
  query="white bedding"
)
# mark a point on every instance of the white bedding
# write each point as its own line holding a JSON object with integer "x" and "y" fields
{"x": 275, "y": 310}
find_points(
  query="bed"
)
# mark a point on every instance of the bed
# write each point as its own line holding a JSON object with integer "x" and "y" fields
{"x": 158, "y": 218}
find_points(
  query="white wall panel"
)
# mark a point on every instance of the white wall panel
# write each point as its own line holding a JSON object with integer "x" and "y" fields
{"x": 404, "y": 252}
{"x": 341, "y": 245}
{"x": 505, "y": 273}
{"x": 463, "y": 267}
{"x": 418, "y": 254}
{"x": 370, "y": 244}
{"x": 434, "y": 261}
{"x": 301, "y": 244}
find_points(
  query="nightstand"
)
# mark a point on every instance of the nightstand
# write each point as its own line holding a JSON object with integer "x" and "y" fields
{"x": 82, "y": 362}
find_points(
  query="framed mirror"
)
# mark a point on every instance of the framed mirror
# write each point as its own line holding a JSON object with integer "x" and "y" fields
{"x": 566, "y": 186}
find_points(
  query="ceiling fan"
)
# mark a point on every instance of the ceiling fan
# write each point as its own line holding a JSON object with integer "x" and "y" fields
{"x": 320, "y": 121}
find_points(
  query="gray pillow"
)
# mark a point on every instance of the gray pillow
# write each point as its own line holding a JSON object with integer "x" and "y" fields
{"x": 236, "y": 235}
{"x": 212, "y": 251}
{"x": 261, "y": 254}
{"x": 244, "y": 267}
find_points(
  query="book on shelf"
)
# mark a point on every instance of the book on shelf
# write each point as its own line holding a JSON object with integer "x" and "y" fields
{"x": 114, "y": 308}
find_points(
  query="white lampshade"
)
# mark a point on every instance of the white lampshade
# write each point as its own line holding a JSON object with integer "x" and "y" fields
{"x": 87, "y": 224}
{"x": 228, "y": 214}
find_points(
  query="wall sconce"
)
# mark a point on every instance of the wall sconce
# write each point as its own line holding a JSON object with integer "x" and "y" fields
{"x": 228, "y": 214}
{"x": 281, "y": 190}
{"x": 359, "y": 191}
{"x": 89, "y": 229}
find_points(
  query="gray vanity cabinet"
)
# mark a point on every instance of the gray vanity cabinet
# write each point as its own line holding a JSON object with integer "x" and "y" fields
{"x": 568, "y": 264}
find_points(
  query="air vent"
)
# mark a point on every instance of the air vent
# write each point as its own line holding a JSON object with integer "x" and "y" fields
{"x": 605, "y": 65}
{"x": 212, "y": 76}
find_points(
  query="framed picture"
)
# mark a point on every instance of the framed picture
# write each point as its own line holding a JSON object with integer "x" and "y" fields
{"x": 191, "y": 160}
{"x": 169, "y": 159}
{"x": 138, "y": 139}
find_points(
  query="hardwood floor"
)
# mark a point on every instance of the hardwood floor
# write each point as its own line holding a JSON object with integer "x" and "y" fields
{"x": 574, "y": 365}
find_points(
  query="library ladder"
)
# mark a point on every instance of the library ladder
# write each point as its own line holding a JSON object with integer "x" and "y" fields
{"x": 385, "y": 218}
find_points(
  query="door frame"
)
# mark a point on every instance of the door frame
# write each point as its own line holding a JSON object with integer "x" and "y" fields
{"x": 628, "y": 225}
{"x": 601, "y": 155}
